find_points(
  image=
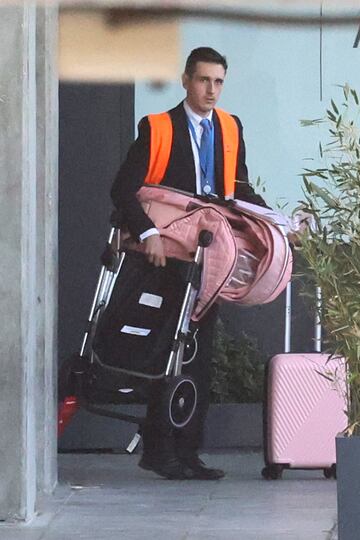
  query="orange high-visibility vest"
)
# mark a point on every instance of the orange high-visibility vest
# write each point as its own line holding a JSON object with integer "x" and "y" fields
{"x": 161, "y": 137}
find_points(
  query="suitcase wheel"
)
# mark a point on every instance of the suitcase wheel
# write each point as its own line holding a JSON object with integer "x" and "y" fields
{"x": 330, "y": 472}
{"x": 272, "y": 472}
{"x": 180, "y": 400}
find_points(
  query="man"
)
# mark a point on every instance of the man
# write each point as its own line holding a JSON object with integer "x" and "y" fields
{"x": 204, "y": 158}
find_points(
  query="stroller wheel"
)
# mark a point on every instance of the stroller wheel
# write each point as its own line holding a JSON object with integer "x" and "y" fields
{"x": 67, "y": 383}
{"x": 191, "y": 349}
{"x": 180, "y": 400}
{"x": 66, "y": 380}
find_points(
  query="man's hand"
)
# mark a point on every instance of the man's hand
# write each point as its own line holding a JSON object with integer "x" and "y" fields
{"x": 294, "y": 239}
{"x": 300, "y": 221}
{"x": 154, "y": 250}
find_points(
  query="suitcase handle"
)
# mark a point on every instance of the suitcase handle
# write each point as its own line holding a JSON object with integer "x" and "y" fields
{"x": 317, "y": 323}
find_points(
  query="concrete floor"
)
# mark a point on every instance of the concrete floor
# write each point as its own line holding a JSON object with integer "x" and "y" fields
{"x": 107, "y": 497}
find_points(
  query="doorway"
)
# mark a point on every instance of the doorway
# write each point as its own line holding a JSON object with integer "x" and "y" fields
{"x": 96, "y": 128}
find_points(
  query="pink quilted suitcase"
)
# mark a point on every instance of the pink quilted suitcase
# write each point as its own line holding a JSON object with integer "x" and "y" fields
{"x": 303, "y": 410}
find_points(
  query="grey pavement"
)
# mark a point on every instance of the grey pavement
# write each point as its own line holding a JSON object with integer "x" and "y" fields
{"x": 107, "y": 497}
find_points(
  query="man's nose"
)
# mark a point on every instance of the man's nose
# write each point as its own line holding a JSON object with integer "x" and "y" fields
{"x": 211, "y": 87}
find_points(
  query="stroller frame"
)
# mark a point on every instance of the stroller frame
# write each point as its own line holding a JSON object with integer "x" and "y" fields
{"x": 112, "y": 260}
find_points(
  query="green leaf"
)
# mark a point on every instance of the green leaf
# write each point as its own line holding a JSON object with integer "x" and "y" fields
{"x": 307, "y": 123}
{"x": 307, "y": 185}
{"x": 346, "y": 90}
{"x": 331, "y": 115}
{"x": 324, "y": 195}
{"x": 334, "y": 107}
{"x": 355, "y": 96}
{"x": 328, "y": 377}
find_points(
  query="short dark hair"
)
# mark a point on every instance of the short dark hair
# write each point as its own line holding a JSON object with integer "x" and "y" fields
{"x": 204, "y": 54}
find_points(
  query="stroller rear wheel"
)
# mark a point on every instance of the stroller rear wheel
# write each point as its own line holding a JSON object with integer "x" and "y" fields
{"x": 180, "y": 400}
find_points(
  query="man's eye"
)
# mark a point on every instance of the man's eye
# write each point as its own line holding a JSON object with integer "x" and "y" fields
{"x": 219, "y": 82}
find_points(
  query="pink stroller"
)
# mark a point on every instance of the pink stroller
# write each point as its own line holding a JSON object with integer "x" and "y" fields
{"x": 139, "y": 330}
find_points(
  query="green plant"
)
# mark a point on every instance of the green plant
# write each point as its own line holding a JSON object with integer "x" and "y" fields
{"x": 332, "y": 248}
{"x": 237, "y": 369}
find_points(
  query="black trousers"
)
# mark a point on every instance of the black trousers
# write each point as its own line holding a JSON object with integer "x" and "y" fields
{"x": 157, "y": 437}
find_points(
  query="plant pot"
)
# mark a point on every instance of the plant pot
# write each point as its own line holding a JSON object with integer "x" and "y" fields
{"x": 233, "y": 425}
{"x": 228, "y": 425}
{"x": 348, "y": 486}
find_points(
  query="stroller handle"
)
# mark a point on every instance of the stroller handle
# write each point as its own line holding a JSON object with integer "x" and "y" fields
{"x": 205, "y": 238}
{"x": 117, "y": 218}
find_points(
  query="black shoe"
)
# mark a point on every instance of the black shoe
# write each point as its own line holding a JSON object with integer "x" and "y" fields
{"x": 199, "y": 469}
{"x": 166, "y": 466}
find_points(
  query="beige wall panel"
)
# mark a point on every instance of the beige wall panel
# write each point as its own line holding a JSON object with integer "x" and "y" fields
{"x": 93, "y": 49}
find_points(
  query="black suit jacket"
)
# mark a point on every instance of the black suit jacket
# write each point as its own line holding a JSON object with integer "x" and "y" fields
{"x": 180, "y": 172}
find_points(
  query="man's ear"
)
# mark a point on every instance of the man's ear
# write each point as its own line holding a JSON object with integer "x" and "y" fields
{"x": 185, "y": 80}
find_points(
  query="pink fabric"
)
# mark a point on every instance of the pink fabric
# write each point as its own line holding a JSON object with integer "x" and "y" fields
{"x": 180, "y": 217}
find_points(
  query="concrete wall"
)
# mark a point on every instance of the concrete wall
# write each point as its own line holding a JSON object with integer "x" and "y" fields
{"x": 27, "y": 283}
{"x": 18, "y": 255}
{"x": 46, "y": 245}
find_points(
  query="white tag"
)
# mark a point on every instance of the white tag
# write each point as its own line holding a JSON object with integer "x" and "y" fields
{"x": 133, "y": 444}
{"x": 135, "y": 331}
{"x": 152, "y": 300}
{"x": 125, "y": 390}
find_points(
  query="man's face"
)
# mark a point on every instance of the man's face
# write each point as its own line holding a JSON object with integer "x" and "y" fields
{"x": 203, "y": 89}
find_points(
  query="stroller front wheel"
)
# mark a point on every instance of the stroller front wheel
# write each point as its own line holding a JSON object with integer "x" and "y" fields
{"x": 180, "y": 400}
